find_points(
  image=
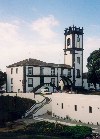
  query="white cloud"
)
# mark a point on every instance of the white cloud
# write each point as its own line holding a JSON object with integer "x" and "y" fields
{"x": 43, "y": 26}
{"x": 18, "y": 42}
{"x": 8, "y": 33}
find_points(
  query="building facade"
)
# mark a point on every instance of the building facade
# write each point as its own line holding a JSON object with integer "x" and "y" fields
{"x": 73, "y": 53}
{"x": 32, "y": 75}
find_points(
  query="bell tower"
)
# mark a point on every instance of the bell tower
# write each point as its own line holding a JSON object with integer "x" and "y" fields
{"x": 73, "y": 53}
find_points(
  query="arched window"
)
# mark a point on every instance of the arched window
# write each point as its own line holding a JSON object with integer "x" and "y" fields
{"x": 68, "y": 42}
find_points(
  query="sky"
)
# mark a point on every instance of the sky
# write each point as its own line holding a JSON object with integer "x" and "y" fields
{"x": 35, "y": 29}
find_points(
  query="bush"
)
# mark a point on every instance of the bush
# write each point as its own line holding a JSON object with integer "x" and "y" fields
{"x": 12, "y": 108}
{"x": 49, "y": 129}
{"x": 45, "y": 129}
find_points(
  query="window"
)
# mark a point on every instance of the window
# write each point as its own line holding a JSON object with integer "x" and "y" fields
{"x": 11, "y": 70}
{"x": 11, "y": 88}
{"x": 30, "y": 70}
{"x": 52, "y": 71}
{"x": 41, "y": 71}
{"x": 68, "y": 42}
{"x": 78, "y": 73}
{"x": 16, "y": 70}
{"x": 11, "y": 80}
{"x": 75, "y": 106}
{"x": 90, "y": 109}
{"x": 30, "y": 82}
{"x": 78, "y": 39}
{"x": 62, "y": 105}
{"x": 69, "y": 73}
{"x": 78, "y": 60}
{"x": 62, "y": 71}
{"x": 53, "y": 80}
{"x": 78, "y": 42}
{"x": 18, "y": 90}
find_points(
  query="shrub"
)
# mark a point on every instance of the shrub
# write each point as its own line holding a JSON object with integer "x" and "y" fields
{"x": 12, "y": 108}
{"x": 49, "y": 129}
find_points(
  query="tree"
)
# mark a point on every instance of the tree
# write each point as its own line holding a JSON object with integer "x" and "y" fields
{"x": 93, "y": 65}
{"x": 2, "y": 78}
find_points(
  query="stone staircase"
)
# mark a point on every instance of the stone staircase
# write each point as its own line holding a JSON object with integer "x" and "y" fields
{"x": 36, "y": 107}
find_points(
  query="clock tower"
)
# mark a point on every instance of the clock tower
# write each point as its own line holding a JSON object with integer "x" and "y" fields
{"x": 73, "y": 53}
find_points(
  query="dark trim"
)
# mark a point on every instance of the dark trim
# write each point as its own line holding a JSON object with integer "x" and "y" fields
{"x": 65, "y": 41}
{"x": 73, "y": 48}
{"x": 73, "y": 30}
{"x": 24, "y": 79}
{"x": 30, "y": 85}
{"x": 57, "y": 77}
{"x": 6, "y": 84}
{"x": 30, "y": 67}
{"x": 41, "y": 75}
{"x": 73, "y": 58}
{"x": 82, "y": 61}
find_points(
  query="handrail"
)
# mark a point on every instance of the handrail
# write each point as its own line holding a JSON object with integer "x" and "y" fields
{"x": 34, "y": 107}
{"x": 43, "y": 105}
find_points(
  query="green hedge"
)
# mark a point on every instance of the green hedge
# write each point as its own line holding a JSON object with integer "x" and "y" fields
{"x": 50, "y": 129}
{"x": 12, "y": 108}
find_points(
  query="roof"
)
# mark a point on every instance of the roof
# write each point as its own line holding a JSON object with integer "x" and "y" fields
{"x": 35, "y": 62}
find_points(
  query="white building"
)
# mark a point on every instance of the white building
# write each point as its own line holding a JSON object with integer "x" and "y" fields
{"x": 73, "y": 53}
{"x": 30, "y": 75}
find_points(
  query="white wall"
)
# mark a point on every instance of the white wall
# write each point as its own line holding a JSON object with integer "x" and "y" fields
{"x": 17, "y": 79}
{"x": 82, "y": 101}
{"x": 47, "y": 71}
{"x": 68, "y": 59}
{"x": 78, "y": 66}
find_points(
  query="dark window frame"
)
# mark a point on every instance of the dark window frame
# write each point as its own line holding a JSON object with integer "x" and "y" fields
{"x": 30, "y": 85}
{"x": 68, "y": 42}
{"x": 90, "y": 109}
{"x": 16, "y": 70}
{"x": 62, "y": 106}
{"x": 53, "y": 82}
{"x": 52, "y": 71}
{"x": 78, "y": 73}
{"x": 78, "y": 60}
{"x": 78, "y": 41}
{"x": 11, "y": 80}
{"x": 75, "y": 106}
{"x": 11, "y": 70}
{"x": 11, "y": 88}
{"x": 30, "y": 70}
{"x": 69, "y": 73}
